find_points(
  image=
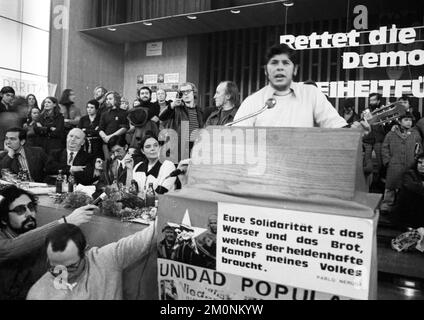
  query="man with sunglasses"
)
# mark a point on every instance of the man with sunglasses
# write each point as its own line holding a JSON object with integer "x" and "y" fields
{"x": 77, "y": 272}
{"x": 22, "y": 260}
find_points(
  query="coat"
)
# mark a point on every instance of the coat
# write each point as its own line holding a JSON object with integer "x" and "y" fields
{"x": 398, "y": 155}
{"x": 36, "y": 160}
{"x": 51, "y": 139}
{"x": 58, "y": 161}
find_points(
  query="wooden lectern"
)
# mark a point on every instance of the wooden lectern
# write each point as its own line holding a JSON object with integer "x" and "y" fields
{"x": 316, "y": 172}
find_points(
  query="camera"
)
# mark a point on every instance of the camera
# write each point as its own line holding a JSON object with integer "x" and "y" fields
{"x": 179, "y": 94}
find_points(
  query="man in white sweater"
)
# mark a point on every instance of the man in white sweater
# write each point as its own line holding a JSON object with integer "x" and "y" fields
{"x": 78, "y": 273}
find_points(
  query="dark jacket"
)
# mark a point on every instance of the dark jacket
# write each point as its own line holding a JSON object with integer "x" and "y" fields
{"x": 58, "y": 161}
{"x": 179, "y": 114}
{"x": 51, "y": 139}
{"x": 409, "y": 210}
{"x": 113, "y": 120}
{"x": 398, "y": 154}
{"x": 94, "y": 143}
{"x": 36, "y": 160}
{"x": 216, "y": 120}
{"x": 22, "y": 261}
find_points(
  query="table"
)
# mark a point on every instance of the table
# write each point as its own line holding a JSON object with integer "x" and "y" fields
{"x": 140, "y": 279}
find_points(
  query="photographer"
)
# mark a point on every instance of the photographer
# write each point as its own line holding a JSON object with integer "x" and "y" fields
{"x": 184, "y": 114}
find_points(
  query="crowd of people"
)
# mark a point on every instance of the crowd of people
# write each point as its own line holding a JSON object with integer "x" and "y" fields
{"x": 115, "y": 141}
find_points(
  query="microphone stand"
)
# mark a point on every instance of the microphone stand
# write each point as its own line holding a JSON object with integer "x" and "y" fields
{"x": 270, "y": 103}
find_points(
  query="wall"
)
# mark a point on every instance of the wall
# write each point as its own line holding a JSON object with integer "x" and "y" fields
{"x": 173, "y": 60}
{"x": 81, "y": 62}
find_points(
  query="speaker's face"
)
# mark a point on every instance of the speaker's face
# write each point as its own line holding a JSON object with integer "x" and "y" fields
{"x": 280, "y": 71}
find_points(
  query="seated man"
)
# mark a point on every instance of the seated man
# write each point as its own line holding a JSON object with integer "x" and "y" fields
{"x": 115, "y": 169}
{"x": 17, "y": 157}
{"x": 73, "y": 160}
{"x": 22, "y": 261}
{"x": 409, "y": 211}
{"x": 76, "y": 273}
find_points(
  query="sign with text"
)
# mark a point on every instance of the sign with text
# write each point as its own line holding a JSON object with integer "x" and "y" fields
{"x": 154, "y": 49}
{"x": 180, "y": 281}
{"x": 314, "y": 251}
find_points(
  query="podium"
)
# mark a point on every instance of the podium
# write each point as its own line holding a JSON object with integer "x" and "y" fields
{"x": 271, "y": 213}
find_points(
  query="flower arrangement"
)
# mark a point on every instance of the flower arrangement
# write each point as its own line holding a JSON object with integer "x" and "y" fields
{"x": 73, "y": 200}
{"x": 125, "y": 205}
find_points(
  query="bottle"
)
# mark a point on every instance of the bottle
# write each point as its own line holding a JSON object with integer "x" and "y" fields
{"x": 71, "y": 182}
{"x": 150, "y": 196}
{"x": 59, "y": 182}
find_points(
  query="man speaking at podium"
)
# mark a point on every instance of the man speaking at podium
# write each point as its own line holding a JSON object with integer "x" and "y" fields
{"x": 297, "y": 105}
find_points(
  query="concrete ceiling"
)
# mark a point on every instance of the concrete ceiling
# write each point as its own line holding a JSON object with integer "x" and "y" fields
{"x": 264, "y": 13}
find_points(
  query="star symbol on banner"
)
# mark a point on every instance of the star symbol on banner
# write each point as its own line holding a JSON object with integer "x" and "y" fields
{"x": 186, "y": 225}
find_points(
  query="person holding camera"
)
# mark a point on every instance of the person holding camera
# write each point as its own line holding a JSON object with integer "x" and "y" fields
{"x": 184, "y": 115}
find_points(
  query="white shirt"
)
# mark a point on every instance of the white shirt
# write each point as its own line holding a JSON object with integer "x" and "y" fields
{"x": 306, "y": 106}
{"x": 165, "y": 170}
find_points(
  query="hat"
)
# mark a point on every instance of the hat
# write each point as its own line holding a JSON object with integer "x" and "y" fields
{"x": 166, "y": 227}
{"x": 138, "y": 117}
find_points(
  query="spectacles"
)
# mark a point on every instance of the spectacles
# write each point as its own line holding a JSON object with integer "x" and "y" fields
{"x": 22, "y": 209}
{"x": 70, "y": 268}
{"x": 187, "y": 91}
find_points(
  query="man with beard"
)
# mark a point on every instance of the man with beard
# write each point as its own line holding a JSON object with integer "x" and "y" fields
{"x": 22, "y": 261}
{"x": 113, "y": 122}
{"x": 99, "y": 94}
{"x": 144, "y": 118}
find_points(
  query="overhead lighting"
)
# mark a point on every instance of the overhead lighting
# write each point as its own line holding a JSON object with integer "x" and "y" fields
{"x": 288, "y": 3}
{"x": 235, "y": 11}
{"x": 147, "y": 23}
{"x": 192, "y": 17}
{"x": 112, "y": 29}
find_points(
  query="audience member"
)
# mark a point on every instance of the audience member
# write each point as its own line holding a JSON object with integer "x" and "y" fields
{"x": 152, "y": 170}
{"x": 22, "y": 260}
{"x": 117, "y": 168}
{"x": 184, "y": 116}
{"x": 90, "y": 124}
{"x": 409, "y": 209}
{"x": 32, "y": 101}
{"x": 398, "y": 152}
{"x": 7, "y": 95}
{"x": 406, "y": 101}
{"x": 125, "y": 104}
{"x": 73, "y": 160}
{"x": 373, "y": 141}
{"x": 33, "y": 120}
{"x": 227, "y": 100}
{"x": 70, "y": 112}
{"x": 348, "y": 112}
{"x": 163, "y": 104}
{"x": 17, "y": 157}
{"x": 113, "y": 121}
{"x": 88, "y": 274}
{"x": 52, "y": 125}
{"x": 99, "y": 94}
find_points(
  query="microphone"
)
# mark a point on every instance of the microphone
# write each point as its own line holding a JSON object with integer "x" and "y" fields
{"x": 176, "y": 173}
{"x": 269, "y": 104}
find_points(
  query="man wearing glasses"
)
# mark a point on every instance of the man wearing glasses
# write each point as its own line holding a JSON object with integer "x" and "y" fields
{"x": 78, "y": 273}
{"x": 184, "y": 116}
{"x": 22, "y": 261}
